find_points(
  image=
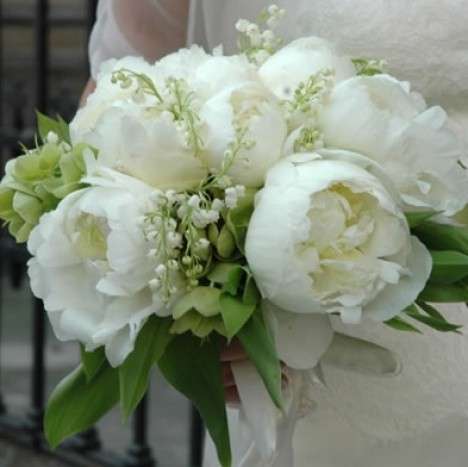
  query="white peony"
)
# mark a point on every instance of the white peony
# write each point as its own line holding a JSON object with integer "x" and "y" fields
{"x": 77, "y": 252}
{"x": 149, "y": 146}
{"x": 106, "y": 95}
{"x": 299, "y": 60}
{"x": 379, "y": 117}
{"x": 327, "y": 236}
{"x": 206, "y": 74}
{"x": 249, "y": 107}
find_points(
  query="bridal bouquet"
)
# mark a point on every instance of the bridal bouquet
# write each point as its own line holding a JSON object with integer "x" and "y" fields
{"x": 262, "y": 197}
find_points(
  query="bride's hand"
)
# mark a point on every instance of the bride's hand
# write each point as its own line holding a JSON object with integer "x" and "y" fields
{"x": 233, "y": 352}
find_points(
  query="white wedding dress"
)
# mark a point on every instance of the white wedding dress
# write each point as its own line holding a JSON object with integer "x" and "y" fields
{"x": 420, "y": 417}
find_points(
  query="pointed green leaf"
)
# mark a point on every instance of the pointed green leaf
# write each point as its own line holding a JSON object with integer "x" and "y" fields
{"x": 205, "y": 300}
{"x": 46, "y": 125}
{"x": 437, "y": 324}
{"x": 259, "y": 346}
{"x": 234, "y": 281}
{"x": 92, "y": 361}
{"x": 448, "y": 266}
{"x": 235, "y": 313}
{"x": 416, "y": 218}
{"x": 193, "y": 367}
{"x": 453, "y": 293}
{"x": 430, "y": 310}
{"x": 251, "y": 293}
{"x": 400, "y": 324}
{"x": 134, "y": 373}
{"x": 443, "y": 237}
{"x": 76, "y": 405}
{"x": 220, "y": 273}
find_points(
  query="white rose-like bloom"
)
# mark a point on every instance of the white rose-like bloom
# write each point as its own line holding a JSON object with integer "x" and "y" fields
{"x": 106, "y": 94}
{"x": 379, "y": 117}
{"x": 207, "y": 74}
{"x": 148, "y": 146}
{"x": 300, "y": 59}
{"x": 326, "y": 236}
{"x": 72, "y": 255}
{"x": 250, "y": 106}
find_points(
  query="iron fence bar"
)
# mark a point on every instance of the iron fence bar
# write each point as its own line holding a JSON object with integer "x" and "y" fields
{"x": 2, "y": 259}
{"x": 140, "y": 454}
{"x": 35, "y": 415}
{"x": 196, "y": 439}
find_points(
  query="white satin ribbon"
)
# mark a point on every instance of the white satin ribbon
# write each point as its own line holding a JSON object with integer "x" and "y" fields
{"x": 264, "y": 435}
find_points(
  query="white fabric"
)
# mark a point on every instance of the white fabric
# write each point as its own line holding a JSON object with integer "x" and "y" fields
{"x": 420, "y": 417}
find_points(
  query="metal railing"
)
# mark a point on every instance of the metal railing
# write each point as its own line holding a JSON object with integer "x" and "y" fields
{"x": 27, "y": 429}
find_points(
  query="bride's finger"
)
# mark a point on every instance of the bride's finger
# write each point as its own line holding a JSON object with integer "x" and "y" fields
{"x": 231, "y": 395}
{"x": 233, "y": 352}
{"x": 227, "y": 375}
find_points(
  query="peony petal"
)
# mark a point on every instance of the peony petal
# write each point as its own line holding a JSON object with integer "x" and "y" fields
{"x": 301, "y": 339}
{"x": 394, "y": 298}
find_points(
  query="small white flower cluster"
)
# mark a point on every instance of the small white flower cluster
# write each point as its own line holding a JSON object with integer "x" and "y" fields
{"x": 310, "y": 139}
{"x": 175, "y": 99}
{"x": 160, "y": 229}
{"x": 256, "y": 43}
{"x": 180, "y": 101}
{"x": 175, "y": 225}
{"x": 310, "y": 95}
{"x": 232, "y": 196}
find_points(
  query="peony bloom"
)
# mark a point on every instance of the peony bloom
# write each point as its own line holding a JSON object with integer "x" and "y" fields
{"x": 379, "y": 117}
{"x": 246, "y": 120}
{"x": 149, "y": 146}
{"x": 106, "y": 95}
{"x": 206, "y": 74}
{"x": 74, "y": 262}
{"x": 302, "y": 58}
{"x": 327, "y": 236}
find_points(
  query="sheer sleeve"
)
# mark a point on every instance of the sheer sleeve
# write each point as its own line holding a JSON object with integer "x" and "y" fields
{"x": 149, "y": 28}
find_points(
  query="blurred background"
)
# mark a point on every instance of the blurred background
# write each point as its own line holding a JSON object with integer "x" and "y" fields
{"x": 43, "y": 65}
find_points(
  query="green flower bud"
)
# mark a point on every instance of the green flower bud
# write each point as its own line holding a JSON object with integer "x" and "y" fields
{"x": 36, "y": 182}
{"x": 226, "y": 244}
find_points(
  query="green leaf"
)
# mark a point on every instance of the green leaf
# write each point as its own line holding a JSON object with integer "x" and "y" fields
{"x": 234, "y": 281}
{"x": 220, "y": 272}
{"x": 46, "y": 125}
{"x": 193, "y": 368}
{"x": 237, "y": 219}
{"x": 251, "y": 293}
{"x": 92, "y": 361}
{"x": 205, "y": 300}
{"x": 400, "y": 324}
{"x": 27, "y": 207}
{"x": 443, "y": 237}
{"x": 453, "y": 293}
{"x": 76, "y": 405}
{"x": 430, "y": 310}
{"x": 198, "y": 325}
{"x": 435, "y": 323}
{"x": 134, "y": 373}
{"x": 225, "y": 244}
{"x": 448, "y": 266}
{"x": 416, "y": 218}
{"x": 235, "y": 313}
{"x": 259, "y": 346}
